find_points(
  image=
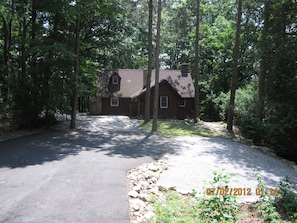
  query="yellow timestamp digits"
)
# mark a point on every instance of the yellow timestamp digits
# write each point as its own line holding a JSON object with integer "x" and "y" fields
{"x": 240, "y": 191}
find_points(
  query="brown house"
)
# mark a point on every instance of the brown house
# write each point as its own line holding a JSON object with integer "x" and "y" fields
{"x": 122, "y": 92}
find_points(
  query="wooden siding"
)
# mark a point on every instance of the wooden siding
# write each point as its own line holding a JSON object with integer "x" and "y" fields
{"x": 122, "y": 109}
{"x": 136, "y": 108}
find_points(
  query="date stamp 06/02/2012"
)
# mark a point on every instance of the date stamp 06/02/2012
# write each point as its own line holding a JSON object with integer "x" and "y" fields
{"x": 241, "y": 191}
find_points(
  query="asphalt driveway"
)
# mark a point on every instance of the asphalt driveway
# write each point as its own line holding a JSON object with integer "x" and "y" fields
{"x": 74, "y": 176}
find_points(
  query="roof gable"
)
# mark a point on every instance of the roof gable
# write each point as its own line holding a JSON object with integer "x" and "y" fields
{"x": 132, "y": 82}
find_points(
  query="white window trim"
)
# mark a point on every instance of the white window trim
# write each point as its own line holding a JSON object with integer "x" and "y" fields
{"x": 115, "y": 79}
{"x": 161, "y": 106}
{"x": 184, "y": 105}
{"x": 117, "y": 104}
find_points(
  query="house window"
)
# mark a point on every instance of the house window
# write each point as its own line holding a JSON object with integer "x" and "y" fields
{"x": 115, "y": 79}
{"x": 114, "y": 101}
{"x": 182, "y": 102}
{"x": 163, "y": 102}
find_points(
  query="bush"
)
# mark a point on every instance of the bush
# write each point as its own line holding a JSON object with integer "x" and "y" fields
{"x": 287, "y": 199}
{"x": 281, "y": 131}
{"x": 278, "y": 129}
{"x": 245, "y": 107}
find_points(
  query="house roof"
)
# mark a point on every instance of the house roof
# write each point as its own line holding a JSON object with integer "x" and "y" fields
{"x": 133, "y": 81}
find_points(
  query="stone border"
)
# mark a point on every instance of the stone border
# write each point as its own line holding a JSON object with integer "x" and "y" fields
{"x": 143, "y": 184}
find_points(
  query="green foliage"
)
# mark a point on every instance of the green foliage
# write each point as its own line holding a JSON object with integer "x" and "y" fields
{"x": 176, "y": 210}
{"x": 223, "y": 208}
{"x": 188, "y": 209}
{"x": 287, "y": 199}
{"x": 219, "y": 208}
{"x": 37, "y": 54}
{"x": 179, "y": 128}
{"x": 266, "y": 205}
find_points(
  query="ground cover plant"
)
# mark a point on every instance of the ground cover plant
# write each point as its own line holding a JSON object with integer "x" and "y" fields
{"x": 220, "y": 208}
{"x": 180, "y": 128}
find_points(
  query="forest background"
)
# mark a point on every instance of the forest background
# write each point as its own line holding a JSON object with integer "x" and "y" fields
{"x": 51, "y": 51}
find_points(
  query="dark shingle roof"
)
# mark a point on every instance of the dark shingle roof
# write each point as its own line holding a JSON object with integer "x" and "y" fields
{"x": 132, "y": 82}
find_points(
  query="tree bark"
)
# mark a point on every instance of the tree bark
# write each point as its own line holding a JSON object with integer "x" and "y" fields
{"x": 76, "y": 69}
{"x": 196, "y": 115}
{"x": 234, "y": 69}
{"x": 263, "y": 63}
{"x": 7, "y": 31}
{"x": 149, "y": 68}
{"x": 156, "y": 92}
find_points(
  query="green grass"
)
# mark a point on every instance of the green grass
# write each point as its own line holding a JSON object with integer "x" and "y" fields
{"x": 176, "y": 128}
{"x": 178, "y": 209}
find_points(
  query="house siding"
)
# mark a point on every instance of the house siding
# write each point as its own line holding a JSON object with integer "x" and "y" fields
{"x": 122, "y": 109}
{"x": 129, "y": 89}
{"x": 187, "y": 111}
{"x": 173, "y": 110}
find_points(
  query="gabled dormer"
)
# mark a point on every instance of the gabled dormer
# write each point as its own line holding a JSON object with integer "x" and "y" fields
{"x": 114, "y": 83}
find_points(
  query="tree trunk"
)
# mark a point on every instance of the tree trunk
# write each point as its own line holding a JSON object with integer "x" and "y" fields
{"x": 156, "y": 92}
{"x": 196, "y": 115}
{"x": 149, "y": 68}
{"x": 263, "y": 63}
{"x": 76, "y": 70}
{"x": 23, "y": 33}
{"x": 7, "y": 31}
{"x": 235, "y": 69}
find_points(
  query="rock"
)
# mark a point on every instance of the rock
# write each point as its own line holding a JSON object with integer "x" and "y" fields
{"x": 140, "y": 219}
{"x": 137, "y": 189}
{"x": 136, "y": 204}
{"x": 144, "y": 197}
{"x": 172, "y": 188}
{"x": 136, "y": 213}
{"x": 146, "y": 176}
{"x": 153, "y": 167}
{"x": 132, "y": 177}
{"x": 156, "y": 175}
{"x": 162, "y": 188}
{"x": 149, "y": 215}
{"x": 266, "y": 150}
{"x": 153, "y": 180}
{"x": 162, "y": 198}
{"x": 183, "y": 192}
{"x": 154, "y": 190}
{"x": 236, "y": 139}
{"x": 144, "y": 185}
{"x": 134, "y": 207}
{"x": 143, "y": 180}
{"x": 133, "y": 194}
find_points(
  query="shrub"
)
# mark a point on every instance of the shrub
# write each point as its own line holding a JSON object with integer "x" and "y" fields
{"x": 281, "y": 131}
{"x": 287, "y": 199}
{"x": 245, "y": 107}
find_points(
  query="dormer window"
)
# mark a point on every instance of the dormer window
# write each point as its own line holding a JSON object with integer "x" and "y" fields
{"x": 115, "y": 79}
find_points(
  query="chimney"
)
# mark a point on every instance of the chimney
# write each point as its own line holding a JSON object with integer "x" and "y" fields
{"x": 184, "y": 69}
{"x": 144, "y": 78}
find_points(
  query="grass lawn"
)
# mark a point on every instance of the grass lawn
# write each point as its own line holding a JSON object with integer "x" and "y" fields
{"x": 179, "y": 128}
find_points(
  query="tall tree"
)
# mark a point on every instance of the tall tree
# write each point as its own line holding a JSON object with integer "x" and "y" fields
{"x": 156, "y": 90}
{"x": 196, "y": 117}
{"x": 149, "y": 68}
{"x": 234, "y": 69}
{"x": 264, "y": 59}
{"x": 76, "y": 67}
{"x": 7, "y": 20}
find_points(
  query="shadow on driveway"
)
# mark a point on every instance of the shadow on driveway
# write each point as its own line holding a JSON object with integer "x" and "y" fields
{"x": 55, "y": 145}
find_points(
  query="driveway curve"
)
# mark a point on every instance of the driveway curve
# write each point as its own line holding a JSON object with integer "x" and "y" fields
{"x": 80, "y": 176}
{"x": 74, "y": 176}
{"x": 193, "y": 166}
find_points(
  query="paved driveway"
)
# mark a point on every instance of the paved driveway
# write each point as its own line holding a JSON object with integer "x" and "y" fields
{"x": 74, "y": 176}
